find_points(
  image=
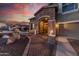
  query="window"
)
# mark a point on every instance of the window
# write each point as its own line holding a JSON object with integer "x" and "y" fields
{"x": 69, "y": 6}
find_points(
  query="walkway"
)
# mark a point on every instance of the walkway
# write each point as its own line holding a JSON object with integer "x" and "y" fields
{"x": 38, "y": 46}
{"x": 64, "y": 48}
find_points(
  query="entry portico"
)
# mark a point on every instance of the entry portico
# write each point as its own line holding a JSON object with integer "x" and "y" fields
{"x": 45, "y": 19}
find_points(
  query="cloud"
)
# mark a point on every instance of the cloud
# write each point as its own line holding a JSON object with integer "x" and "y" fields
{"x": 8, "y": 10}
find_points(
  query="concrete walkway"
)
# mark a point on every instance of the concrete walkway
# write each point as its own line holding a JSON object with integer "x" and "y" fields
{"x": 64, "y": 48}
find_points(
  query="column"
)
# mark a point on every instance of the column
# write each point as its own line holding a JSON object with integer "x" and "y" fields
{"x": 51, "y": 26}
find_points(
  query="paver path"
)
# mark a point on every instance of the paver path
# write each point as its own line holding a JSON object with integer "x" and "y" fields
{"x": 38, "y": 46}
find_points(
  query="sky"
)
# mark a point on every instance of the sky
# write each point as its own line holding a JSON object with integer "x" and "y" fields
{"x": 18, "y": 11}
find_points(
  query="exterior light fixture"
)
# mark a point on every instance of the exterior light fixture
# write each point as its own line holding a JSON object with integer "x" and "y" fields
{"x": 46, "y": 18}
{"x": 57, "y": 25}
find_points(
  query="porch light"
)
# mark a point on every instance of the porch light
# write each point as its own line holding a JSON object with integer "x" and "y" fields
{"x": 57, "y": 25}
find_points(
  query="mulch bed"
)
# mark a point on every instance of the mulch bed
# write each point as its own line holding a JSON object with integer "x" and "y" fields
{"x": 15, "y": 49}
{"x": 75, "y": 44}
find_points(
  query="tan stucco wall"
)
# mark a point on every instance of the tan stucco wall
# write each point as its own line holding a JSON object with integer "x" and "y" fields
{"x": 68, "y": 17}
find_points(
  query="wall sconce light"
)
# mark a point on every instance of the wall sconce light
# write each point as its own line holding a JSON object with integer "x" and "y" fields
{"x": 57, "y": 25}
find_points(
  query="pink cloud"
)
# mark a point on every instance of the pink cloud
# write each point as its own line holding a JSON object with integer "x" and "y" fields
{"x": 19, "y": 8}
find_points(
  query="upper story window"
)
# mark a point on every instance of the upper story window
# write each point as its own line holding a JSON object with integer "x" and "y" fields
{"x": 69, "y": 7}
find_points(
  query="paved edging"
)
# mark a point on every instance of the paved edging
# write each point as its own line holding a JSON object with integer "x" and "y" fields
{"x": 27, "y": 47}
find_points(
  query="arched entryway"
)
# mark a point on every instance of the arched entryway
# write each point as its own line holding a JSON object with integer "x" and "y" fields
{"x": 43, "y": 25}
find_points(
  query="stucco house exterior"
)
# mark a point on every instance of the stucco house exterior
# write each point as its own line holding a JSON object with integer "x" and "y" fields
{"x": 68, "y": 20}
{"x": 44, "y": 20}
{"x": 64, "y": 15}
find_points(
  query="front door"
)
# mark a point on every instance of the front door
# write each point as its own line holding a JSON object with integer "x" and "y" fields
{"x": 43, "y": 26}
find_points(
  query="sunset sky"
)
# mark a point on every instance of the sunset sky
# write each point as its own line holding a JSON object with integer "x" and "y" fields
{"x": 18, "y": 12}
